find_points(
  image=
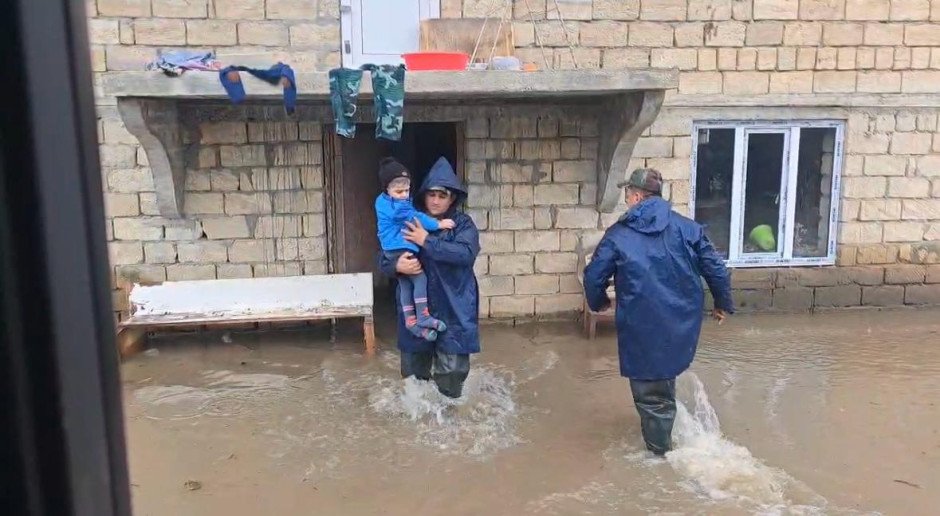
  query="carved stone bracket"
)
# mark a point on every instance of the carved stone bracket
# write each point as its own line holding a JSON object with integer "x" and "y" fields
{"x": 625, "y": 117}
{"x": 156, "y": 125}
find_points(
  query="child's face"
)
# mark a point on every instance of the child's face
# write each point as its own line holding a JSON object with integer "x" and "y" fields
{"x": 399, "y": 190}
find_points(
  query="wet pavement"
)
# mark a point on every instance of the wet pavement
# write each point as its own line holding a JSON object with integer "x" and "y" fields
{"x": 827, "y": 414}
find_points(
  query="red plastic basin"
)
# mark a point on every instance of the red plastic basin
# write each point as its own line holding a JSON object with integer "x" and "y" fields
{"x": 416, "y": 61}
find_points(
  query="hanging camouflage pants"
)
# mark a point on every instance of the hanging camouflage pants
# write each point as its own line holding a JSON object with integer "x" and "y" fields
{"x": 344, "y": 92}
{"x": 655, "y": 401}
{"x": 388, "y": 87}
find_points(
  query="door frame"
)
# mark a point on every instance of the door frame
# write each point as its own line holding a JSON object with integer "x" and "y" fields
{"x": 351, "y": 39}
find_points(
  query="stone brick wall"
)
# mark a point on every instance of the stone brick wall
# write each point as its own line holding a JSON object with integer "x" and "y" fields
{"x": 255, "y": 197}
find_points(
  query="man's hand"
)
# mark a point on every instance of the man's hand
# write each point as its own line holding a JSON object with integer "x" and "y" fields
{"x": 415, "y": 233}
{"x": 408, "y": 265}
{"x": 447, "y": 224}
{"x": 719, "y": 315}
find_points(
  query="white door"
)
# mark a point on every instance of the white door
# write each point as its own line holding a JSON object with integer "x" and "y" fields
{"x": 380, "y": 31}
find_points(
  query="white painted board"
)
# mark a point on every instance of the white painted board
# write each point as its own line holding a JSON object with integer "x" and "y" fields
{"x": 292, "y": 294}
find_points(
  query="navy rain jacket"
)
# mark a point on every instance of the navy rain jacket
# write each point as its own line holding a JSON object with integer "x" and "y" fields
{"x": 656, "y": 257}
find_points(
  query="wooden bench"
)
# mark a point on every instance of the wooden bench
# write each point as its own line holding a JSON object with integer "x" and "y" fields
{"x": 233, "y": 302}
{"x": 589, "y": 317}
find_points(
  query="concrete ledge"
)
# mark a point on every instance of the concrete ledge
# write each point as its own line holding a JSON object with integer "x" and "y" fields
{"x": 429, "y": 85}
{"x": 840, "y": 100}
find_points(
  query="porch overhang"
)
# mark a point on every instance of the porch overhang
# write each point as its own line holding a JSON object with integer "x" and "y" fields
{"x": 629, "y": 100}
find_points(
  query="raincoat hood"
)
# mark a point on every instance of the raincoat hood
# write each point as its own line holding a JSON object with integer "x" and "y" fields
{"x": 650, "y": 216}
{"x": 442, "y": 174}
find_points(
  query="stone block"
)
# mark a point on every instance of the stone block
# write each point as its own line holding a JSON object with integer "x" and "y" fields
{"x": 822, "y": 9}
{"x": 865, "y": 59}
{"x": 746, "y": 83}
{"x": 251, "y": 251}
{"x": 604, "y": 34}
{"x": 908, "y": 187}
{"x": 864, "y": 187}
{"x": 880, "y": 209}
{"x": 103, "y": 32}
{"x": 874, "y": 10}
{"x": 281, "y": 269}
{"x": 653, "y": 147}
{"x": 492, "y": 242}
{"x": 558, "y": 304}
{"x": 512, "y": 218}
{"x": 933, "y": 274}
{"x": 776, "y": 9}
{"x": 182, "y": 229}
{"x": 536, "y": 241}
{"x": 802, "y": 34}
{"x": 764, "y": 34}
{"x": 725, "y": 34}
{"x": 883, "y": 296}
{"x": 187, "y": 272}
{"x": 147, "y": 274}
{"x": 834, "y": 82}
{"x": 291, "y": 9}
{"x": 129, "y": 8}
{"x": 904, "y": 231}
{"x": 841, "y": 296}
{"x": 753, "y": 279}
{"x": 536, "y": 284}
{"x": 302, "y": 201}
{"x": 905, "y": 274}
{"x": 922, "y": 35}
{"x": 860, "y": 232}
{"x": 121, "y": 205}
{"x": 286, "y": 178}
{"x": 242, "y": 156}
{"x": 180, "y": 8}
{"x": 240, "y": 9}
{"x": 204, "y": 203}
{"x": 876, "y": 254}
{"x": 626, "y": 58}
{"x": 690, "y": 34}
{"x": 645, "y": 34}
{"x": 879, "y": 82}
{"x": 663, "y": 10}
{"x": 910, "y": 143}
{"x": 928, "y": 166}
{"x": 747, "y": 59}
{"x": 159, "y": 252}
{"x": 806, "y": 58}
{"x": 140, "y": 228}
{"x": 247, "y": 203}
{"x": 496, "y": 286}
{"x": 211, "y": 32}
{"x": 920, "y": 81}
{"x": 791, "y": 82}
{"x": 616, "y": 9}
{"x": 127, "y": 58}
{"x": 512, "y": 306}
{"x": 843, "y": 34}
{"x": 159, "y": 31}
{"x": 234, "y": 271}
{"x": 752, "y": 300}
{"x": 202, "y": 252}
{"x": 556, "y": 262}
{"x": 728, "y": 59}
{"x": 576, "y": 218}
{"x": 117, "y": 156}
{"x": 574, "y": 171}
{"x": 512, "y": 265}
{"x": 298, "y": 153}
{"x": 793, "y": 299}
{"x": 223, "y": 180}
{"x": 707, "y": 59}
{"x": 701, "y": 83}
{"x": 221, "y": 228}
{"x": 125, "y": 253}
{"x": 681, "y": 58}
{"x": 709, "y": 10}
{"x": 910, "y": 10}
{"x": 324, "y": 36}
{"x": 922, "y": 294}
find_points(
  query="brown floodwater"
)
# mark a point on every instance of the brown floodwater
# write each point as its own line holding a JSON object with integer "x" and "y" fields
{"x": 827, "y": 414}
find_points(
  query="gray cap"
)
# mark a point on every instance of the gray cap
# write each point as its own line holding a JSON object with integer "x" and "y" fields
{"x": 648, "y": 179}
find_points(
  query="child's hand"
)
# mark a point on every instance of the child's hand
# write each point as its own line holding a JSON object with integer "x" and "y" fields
{"x": 446, "y": 224}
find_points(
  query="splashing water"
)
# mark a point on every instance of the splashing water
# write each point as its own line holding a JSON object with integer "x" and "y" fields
{"x": 724, "y": 470}
{"x": 480, "y": 423}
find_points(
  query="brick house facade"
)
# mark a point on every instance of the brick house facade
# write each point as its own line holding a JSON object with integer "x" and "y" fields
{"x": 257, "y": 187}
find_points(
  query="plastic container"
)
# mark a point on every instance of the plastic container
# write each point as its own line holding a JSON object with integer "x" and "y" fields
{"x": 417, "y": 61}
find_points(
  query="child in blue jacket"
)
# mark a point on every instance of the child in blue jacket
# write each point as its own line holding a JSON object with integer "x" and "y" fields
{"x": 393, "y": 208}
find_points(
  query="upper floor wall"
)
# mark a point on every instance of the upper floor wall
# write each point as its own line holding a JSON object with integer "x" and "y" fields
{"x": 732, "y": 47}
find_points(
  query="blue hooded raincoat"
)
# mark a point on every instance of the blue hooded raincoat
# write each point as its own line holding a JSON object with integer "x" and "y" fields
{"x": 447, "y": 259}
{"x": 656, "y": 257}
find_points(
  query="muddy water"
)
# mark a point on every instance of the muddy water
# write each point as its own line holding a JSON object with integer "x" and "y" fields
{"x": 832, "y": 414}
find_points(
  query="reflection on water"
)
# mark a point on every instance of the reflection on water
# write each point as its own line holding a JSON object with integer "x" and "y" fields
{"x": 832, "y": 414}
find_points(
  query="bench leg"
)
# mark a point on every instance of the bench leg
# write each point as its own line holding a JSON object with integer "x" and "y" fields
{"x": 591, "y": 326}
{"x": 130, "y": 341}
{"x": 368, "y": 333}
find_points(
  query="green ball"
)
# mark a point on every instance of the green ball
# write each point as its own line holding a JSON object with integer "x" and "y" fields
{"x": 763, "y": 237}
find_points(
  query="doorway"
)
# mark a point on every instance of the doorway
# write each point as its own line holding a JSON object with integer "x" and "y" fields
{"x": 353, "y": 179}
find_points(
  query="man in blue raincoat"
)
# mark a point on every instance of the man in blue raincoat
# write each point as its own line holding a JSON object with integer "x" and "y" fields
{"x": 656, "y": 257}
{"x": 446, "y": 257}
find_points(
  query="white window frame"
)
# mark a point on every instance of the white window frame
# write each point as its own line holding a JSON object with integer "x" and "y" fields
{"x": 351, "y": 28}
{"x": 791, "y": 130}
